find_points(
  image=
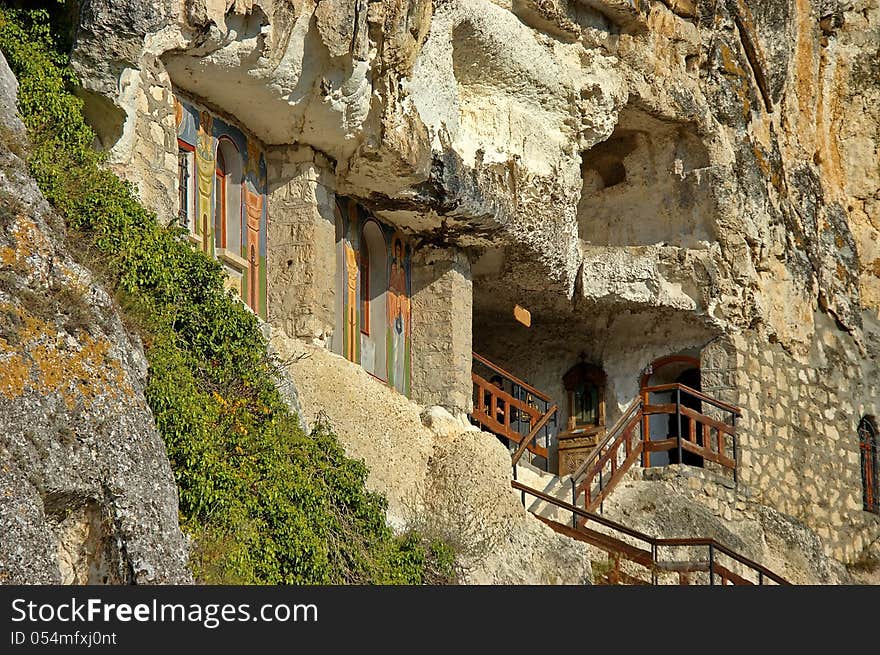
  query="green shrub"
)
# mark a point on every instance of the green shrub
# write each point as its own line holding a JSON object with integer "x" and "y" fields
{"x": 264, "y": 502}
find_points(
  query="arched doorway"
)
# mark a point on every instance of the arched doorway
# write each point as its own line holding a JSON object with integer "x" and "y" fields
{"x": 671, "y": 369}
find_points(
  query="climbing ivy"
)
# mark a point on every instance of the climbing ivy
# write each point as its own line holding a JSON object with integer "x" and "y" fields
{"x": 263, "y": 501}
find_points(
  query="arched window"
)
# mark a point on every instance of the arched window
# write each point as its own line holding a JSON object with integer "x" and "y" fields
{"x": 870, "y": 464}
{"x": 186, "y": 185}
{"x": 373, "y": 274}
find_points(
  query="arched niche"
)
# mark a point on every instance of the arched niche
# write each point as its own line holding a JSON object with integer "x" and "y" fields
{"x": 585, "y": 393}
{"x": 373, "y": 311}
{"x": 228, "y": 178}
{"x": 585, "y": 403}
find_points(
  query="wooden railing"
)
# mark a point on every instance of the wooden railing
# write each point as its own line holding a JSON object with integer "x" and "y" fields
{"x": 693, "y": 433}
{"x": 630, "y": 439}
{"x": 513, "y": 409}
{"x": 608, "y": 463}
{"x": 646, "y": 554}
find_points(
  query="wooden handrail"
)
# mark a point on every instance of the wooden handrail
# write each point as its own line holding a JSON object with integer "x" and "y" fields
{"x": 696, "y": 394}
{"x": 513, "y": 378}
{"x": 624, "y": 418}
{"x": 608, "y": 455}
{"x": 511, "y": 401}
{"x": 653, "y": 541}
{"x": 609, "y": 437}
{"x": 532, "y": 434}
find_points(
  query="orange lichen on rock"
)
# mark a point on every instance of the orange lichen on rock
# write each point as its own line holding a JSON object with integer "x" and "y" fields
{"x": 42, "y": 363}
{"x": 7, "y": 256}
{"x": 27, "y": 239}
{"x": 732, "y": 68}
{"x": 15, "y": 374}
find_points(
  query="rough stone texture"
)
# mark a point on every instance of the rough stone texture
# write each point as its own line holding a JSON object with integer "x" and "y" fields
{"x": 301, "y": 250}
{"x": 448, "y": 479}
{"x": 799, "y": 444}
{"x": 86, "y": 490}
{"x": 441, "y": 332}
{"x": 679, "y": 501}
{"x": 645, "y": 178}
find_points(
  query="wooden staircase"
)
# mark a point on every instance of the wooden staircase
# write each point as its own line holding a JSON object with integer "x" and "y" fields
{"x": 638, "y": 558}
{"x": 524, "y": 413}
{"x": 520, "y": 415}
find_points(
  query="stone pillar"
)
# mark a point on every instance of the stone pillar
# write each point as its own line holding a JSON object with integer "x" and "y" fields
{"x": 301, "y": 255}
{"x": 442, "y": 316}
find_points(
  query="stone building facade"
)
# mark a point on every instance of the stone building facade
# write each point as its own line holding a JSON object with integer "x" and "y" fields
{"x": 648, "y": 180}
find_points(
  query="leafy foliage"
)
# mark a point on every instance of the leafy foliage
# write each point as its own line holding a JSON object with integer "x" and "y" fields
{"x": 264, "y": 502}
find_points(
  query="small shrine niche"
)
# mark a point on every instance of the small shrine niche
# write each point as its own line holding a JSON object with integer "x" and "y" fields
{"x": 585, "y": 386}
{"x": 585, "y": 390}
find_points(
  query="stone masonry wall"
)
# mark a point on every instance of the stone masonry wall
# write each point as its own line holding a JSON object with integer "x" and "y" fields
{"x": 798, "y": 441}
{"x": 146, "y": 154}
{"x": 442, "y": 307}
{"x": 301, "y": 252}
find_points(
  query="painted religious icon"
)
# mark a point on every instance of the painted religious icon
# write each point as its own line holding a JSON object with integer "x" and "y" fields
{"x": 398, "y": 315}
{"x": 352, "y": 332}
{"x": 205, "y": 175}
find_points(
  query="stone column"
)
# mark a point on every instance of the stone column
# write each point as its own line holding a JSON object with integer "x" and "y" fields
{"x": 442, "y": 315}
{"x": 301, "y": 255}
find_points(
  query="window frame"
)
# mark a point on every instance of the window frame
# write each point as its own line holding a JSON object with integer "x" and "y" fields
{"x": 220, "y": 180}
{"x": 189, "y": 152}
{"x": 868, "y": 468}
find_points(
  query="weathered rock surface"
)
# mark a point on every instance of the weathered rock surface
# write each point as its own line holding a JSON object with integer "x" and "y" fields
{"x": 86, "y": 490}
{"x": 723, "y": 154}
{"x": 442, "y": 477}
{"x": 689, "y": 503}
{"x": 645, "y": 177}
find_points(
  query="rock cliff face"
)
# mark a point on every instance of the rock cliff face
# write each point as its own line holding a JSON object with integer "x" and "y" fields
{"x": 646, "y": 177}
{"x": 711, "y": 158}
{"x": 86, "y": 490}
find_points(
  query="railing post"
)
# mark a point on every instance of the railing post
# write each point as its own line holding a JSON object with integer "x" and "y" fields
{"x": 760, "y": 577}
{"x": 522, "y": 493}
{"x": 678, "y": 419}
{"x": 711, "y": 565}
{"x": 573, "y": 503}
{"x": 654, "y": 564}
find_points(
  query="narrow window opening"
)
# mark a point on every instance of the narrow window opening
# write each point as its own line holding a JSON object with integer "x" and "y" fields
{"x": 869, "y": 464}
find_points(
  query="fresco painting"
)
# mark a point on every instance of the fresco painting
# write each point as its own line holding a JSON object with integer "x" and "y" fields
{"x": 200, "y": 131}
{"x": 397, "y": 330}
